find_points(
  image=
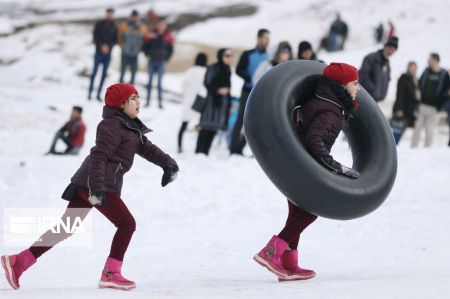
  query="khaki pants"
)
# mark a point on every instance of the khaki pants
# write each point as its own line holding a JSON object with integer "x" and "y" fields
{"x": 426, "y": 119}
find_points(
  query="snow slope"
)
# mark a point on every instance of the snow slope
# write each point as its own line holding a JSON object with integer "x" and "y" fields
{"x": 195, "y": 238}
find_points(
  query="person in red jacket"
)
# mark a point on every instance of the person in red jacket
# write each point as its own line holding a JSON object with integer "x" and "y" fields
{"x": 318, "y": 120}
{"x": 72, "y": 134}
{"x": 98, "y": 184}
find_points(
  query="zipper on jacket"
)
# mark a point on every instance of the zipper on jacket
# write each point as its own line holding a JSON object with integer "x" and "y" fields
{"x": 117, "y": 170}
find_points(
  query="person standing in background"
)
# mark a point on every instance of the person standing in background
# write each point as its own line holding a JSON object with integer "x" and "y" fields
{"x": 305, "y": 51}
{"x": 283, "y": 54}
{"x": 406, "y": 101}
{"x": 434, "y": 88}
{"x": 375, "y": 71}
{"x": 192, "y": 86}
{"x": 337, "y": 35}
{"x": 105, "y": 37}
{"x": 158, "y": 47}
{"x": 218, "y": 102}
{"x": 131, "y": 34}
{"x": 248, "y": 63}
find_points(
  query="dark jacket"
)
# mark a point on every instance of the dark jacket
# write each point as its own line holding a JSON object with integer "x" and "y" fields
{"x": 118, "y": 139}
{"x": 248, "y": 63}
{"x": 215, "y": 114}
{"x": 76, "y": 130}
{"x": 406, "y": 99}
{"x": 375, "y": 74}
{"x": 439, "y": 94}
{"x": 322, "y": 118}
{"x": 159, "y": 47}
{"x": 105, "y": 32}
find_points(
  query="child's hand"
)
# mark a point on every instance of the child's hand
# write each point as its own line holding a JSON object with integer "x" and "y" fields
{"x": 97, "y": 198}
{"x": 170, "y": 174}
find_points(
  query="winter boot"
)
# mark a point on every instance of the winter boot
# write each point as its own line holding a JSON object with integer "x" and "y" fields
{"x": 112, "y": 278}
{"x": 15, "y": 265}
{"x": 270, "y": 256}
{"x": 289, "y": 261}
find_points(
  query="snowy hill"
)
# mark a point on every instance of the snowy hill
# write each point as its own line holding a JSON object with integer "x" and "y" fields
{"x": 195, "y": 238}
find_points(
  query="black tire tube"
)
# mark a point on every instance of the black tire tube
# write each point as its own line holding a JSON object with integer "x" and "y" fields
{"x": 309, "y": 185}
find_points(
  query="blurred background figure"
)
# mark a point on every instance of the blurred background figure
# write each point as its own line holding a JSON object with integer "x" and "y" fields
{"x": 379, "y": 33}
{"x": 391, "y": 31}
{"x": 375, "y": 71}
{"x": 283, "y": 54}
{"x": 305, "y": 51}
{"x": 192, "y": 86}
{"x": 406, "y": 101}
{"x": 105, "y": 37}
{"x": 215, "y": 114}
{"x": 434, "y": 88}
{"x": 158, "y": 47}
{"x": 131, "y": 35}
{"x": 247, "y": 65}
{"x": 72, "y": 134}
{"x": 337, "y": 34}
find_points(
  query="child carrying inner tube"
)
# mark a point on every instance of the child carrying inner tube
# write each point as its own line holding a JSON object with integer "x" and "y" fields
{"x": 318, "y": 121}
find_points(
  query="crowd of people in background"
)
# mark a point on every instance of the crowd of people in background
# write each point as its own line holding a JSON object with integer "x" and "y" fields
{"x": 207, "y": 86}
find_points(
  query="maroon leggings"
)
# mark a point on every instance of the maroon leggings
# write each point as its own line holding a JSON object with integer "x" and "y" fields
{"x": 296, "y": 222}
{"x": 115, "y": 210}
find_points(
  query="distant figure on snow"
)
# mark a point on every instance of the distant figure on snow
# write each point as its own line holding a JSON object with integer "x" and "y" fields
{"x": 337, "y": 35}
{"x": 72, "y": 134}
{"x": 105, "y": 37}
{"x": 375, "y": 71}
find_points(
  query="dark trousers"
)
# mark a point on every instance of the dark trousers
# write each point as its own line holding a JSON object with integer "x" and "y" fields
{"x": 99, "y": 59}
{"x": 130, "y": 61}
{"x": 69, "y": 151}
{"x": 204, "y": 141}
{"x": 155, "y": 68}
{"x": 115, "y": 210}
{"x": 238, "y": 141}
{"x": 296, "y": 222}
{"x": 180, "y": 135}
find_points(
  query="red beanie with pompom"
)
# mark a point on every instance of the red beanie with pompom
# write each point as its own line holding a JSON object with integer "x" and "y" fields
{"x": 342, "y": 73}
{"x": 118, "y": 93}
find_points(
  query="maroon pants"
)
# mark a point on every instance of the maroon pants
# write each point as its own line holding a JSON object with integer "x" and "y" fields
{"x": 115, "y": 210}
{"x": 296, "y": 222}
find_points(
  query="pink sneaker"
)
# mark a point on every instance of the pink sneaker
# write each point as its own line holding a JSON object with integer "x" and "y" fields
{"x": 15, "y": 265}
{"x": 270, "y": 256}
{"x": 112, "y": 278}
{"x": 289, "y": 261}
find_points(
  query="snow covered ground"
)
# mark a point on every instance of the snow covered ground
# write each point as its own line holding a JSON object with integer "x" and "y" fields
{"x": 195, "y": 238}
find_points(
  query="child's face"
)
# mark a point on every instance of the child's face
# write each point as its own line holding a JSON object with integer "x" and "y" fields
{"x": 352, "y": 88}
{"x": 132, "y": 105}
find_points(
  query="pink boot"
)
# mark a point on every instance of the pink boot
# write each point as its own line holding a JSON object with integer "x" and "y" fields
{"x": 15, "y": 265}
{"x": 270, "y": 255}
{"x": 112, "y": 278}
{"x": 289, "y": 261}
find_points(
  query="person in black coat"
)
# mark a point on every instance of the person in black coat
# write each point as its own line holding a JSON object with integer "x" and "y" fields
{"x": 375, "y": 71}
{"x": 105, "y": 37}
{"x": 215, "y": 114}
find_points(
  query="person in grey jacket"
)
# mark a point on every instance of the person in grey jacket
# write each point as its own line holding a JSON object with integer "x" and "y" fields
{"x": 375, "y": 72}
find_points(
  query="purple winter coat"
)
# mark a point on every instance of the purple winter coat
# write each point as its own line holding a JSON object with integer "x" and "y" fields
{"x": 118, "y": 139}
{"x": 322, "y": 119}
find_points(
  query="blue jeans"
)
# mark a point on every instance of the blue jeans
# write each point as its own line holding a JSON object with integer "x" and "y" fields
{"x": 155, "y": 67}
{"x": 103, "y": 59}
{"x": 128, "y": 61}
{"x": 69, "y": 150}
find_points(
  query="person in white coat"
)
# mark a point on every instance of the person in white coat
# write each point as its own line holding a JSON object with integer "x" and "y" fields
{"x": 283, "y": 53}
{"x": 192, "y": 86}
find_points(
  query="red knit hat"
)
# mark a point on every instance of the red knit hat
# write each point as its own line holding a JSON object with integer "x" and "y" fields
{"x": 118, "y": 93}
{"x": 342, "y": 73}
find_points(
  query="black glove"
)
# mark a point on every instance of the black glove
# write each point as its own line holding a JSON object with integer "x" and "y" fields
{"x": 348, "y": 172}
{"x": 170, "y": 174}
{"x": 97, "y": 198}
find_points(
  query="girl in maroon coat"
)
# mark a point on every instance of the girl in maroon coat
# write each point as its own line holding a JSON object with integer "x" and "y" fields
{"x": 98, "y": 184}
{"x": 318, "y": 121}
